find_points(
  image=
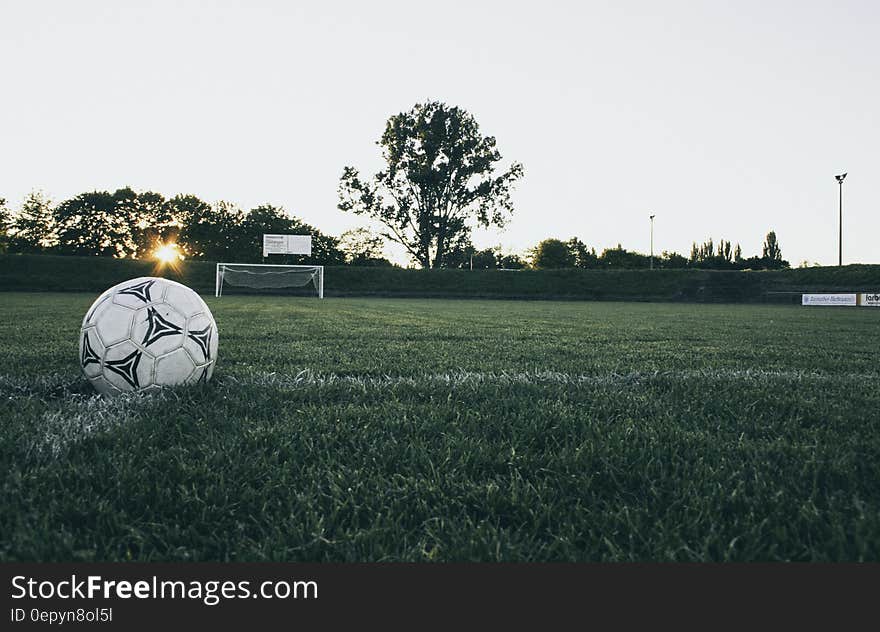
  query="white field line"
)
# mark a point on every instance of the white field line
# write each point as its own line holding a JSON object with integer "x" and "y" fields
{"x": 54, "y": 383}
{"x": 80, "y": 418}
{"x": 59, "y": 387}
{"x": 307, "y": 378}
{"x": 77, "y": 414}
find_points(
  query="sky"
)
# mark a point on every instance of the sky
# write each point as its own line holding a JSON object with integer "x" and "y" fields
{"x": 722, "y": 119}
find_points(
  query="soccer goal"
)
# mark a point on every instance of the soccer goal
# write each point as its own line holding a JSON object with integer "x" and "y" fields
{"x": 262, "y": 276}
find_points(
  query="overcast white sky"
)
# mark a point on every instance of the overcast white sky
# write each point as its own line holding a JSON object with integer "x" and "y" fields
{"x": 725, "y": 119}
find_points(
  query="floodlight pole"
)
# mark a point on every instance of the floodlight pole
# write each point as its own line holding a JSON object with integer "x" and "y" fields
{"x": 840, "y": 179}
{"x": 652, "y": 242}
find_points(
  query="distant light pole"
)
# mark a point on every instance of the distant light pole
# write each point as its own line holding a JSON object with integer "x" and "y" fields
{"x": 840, "y": 179}
{"x": 652, "y": 242}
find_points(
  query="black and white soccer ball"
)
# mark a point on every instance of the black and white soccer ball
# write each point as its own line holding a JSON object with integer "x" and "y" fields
{"x": 147, "y": 333}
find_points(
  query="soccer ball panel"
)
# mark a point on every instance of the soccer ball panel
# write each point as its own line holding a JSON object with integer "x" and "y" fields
{"x": 112, "y": 322}
{"x": 174, "y": 368}
{"x": 214, "y": 344}
{"x": 138, "y": 292}
{"x": 184, "y": 299}
{"x": 127, "y": 367}
{"x": 199, "y": 375}
{"x": 201, "y": 338}
{"x": 159, "y": 329}
{"x": 91, "y": 351}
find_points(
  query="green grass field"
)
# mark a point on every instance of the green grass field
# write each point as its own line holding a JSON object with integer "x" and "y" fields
{"x": 366, "y": 429}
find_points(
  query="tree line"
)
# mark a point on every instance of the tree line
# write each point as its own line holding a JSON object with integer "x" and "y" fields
{"x": 442, "y": 178}
{"x": 129, "y": 224}
{"x": 555, "y": 253}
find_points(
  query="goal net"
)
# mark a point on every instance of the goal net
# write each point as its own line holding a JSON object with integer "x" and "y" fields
{"x": 260, "y": 276}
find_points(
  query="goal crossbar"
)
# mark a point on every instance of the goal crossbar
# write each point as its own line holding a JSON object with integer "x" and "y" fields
{"x": 268, "y": 276}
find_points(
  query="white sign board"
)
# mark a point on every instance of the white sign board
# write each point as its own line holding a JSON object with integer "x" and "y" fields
{"x": 870, "y": 300}
{"x": 287, "y": 245}
{"x": 828, "y": 299}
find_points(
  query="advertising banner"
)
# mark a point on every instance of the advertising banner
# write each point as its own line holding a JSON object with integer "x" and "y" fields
{"x": 828, "y": 299}
{"x": 287, "y": 245}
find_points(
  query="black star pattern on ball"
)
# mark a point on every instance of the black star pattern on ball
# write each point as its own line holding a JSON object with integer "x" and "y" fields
{"x": 202, "y": 337}
{"x": 88, "y": 354}
{"x": 158, "y": 327}
{"x": 127, "y": 367}
{"x": 140, "y": 290}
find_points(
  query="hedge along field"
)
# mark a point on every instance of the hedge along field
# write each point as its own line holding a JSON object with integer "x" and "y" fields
{"x": 368, "y": 429}
{"x": 95, "y": 274}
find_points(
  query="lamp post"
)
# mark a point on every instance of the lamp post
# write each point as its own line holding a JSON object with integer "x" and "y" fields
{"x": 840, "y": 179}
{"x": 652, "y": 241}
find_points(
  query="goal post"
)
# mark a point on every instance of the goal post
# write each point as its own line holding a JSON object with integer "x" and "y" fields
{"x": 265, "y": 276}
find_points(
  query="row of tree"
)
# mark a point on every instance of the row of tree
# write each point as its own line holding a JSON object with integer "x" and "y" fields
{"x": 129, "y": 224}
{"x": 441, "y": 179}
{"x": 555, "y": 253}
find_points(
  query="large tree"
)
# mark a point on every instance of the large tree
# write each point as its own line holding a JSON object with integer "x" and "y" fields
{"x": 621, "y": 258}
{"x": 552, "y": 253}
{"x": 582, "y": 256}
{"x": 723, "y": 257}
{"x": 672, "y": 260}
{"x": 441, "y": 179}
{"x": 771, "y": 253}
{"x": 151, "y": 218}
{"x": 119, "y": 224}
{"x": 93, "y": 224}
{"x": 510, "y": 261}
{"x": 32, "y": 228}
{"x": 209, "y": 231}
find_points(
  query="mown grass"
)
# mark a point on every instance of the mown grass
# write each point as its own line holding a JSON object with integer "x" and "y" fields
{"x": 361, "y": 429}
